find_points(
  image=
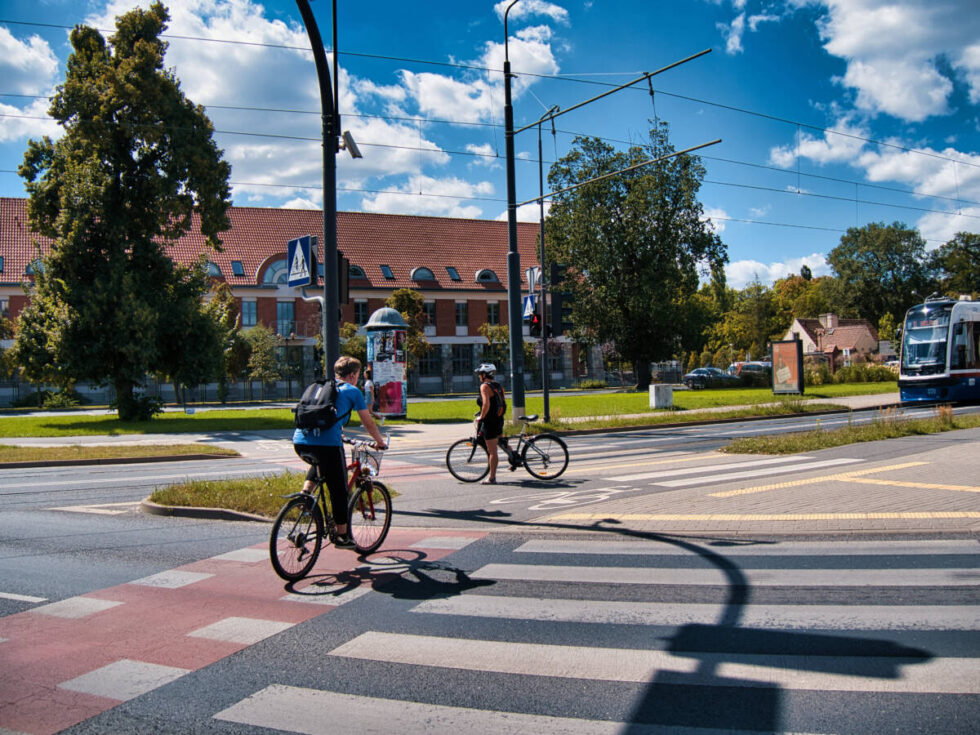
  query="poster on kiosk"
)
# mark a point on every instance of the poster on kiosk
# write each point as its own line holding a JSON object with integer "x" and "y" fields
{"x": 386, "y": 355}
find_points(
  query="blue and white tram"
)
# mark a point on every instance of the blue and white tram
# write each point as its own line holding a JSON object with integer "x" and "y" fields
{"x": 941, "y": 352}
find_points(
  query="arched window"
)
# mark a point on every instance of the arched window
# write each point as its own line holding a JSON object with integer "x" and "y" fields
{"x": 277, "y": 273}
{"x": 423, "y": 274}
{"x": 214, "y": 270}
{"x": 485, "y": 275}
{"x": 35, "y": 266}
{"x": 355, "y": 271}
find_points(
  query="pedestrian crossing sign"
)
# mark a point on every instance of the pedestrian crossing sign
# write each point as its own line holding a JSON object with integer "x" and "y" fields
{"x": 300, "y": 260}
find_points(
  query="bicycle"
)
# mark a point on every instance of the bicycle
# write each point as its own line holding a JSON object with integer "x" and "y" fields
{"x": 545, "y": 456}
{"x": 305, "y": 520}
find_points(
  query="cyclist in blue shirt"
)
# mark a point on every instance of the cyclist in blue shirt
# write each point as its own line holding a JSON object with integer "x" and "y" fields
{"x": 326, "y": 447}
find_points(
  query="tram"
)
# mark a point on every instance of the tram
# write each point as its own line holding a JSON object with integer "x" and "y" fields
{"x": 941, "y": 352}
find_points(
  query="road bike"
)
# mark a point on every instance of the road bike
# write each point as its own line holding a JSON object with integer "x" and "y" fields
{"x": 545, "y": 456}
{"x": 306, "y": 520}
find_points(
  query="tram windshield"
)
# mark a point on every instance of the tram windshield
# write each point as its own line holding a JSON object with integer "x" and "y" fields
{"x": 925, "y": 337}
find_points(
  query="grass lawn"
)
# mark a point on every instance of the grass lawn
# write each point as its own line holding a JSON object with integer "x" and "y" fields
{"x": 563, "y": 405}
{"x": 41, "y": 454}
{"x": 885, "y": 426}
{"x": 257, "y": 495}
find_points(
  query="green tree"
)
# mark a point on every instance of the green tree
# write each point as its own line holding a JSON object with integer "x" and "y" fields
{"x": 498, "y": 345}
{"x": 958, "y": 265}
{"x": 410, "y": 304}
{"x": 636, "y": 244}
{"x": 353, "y": 344}
{"x": 136, "y": 161}
{"x": 881, "y": 269}
{"x": 263, "y": 364}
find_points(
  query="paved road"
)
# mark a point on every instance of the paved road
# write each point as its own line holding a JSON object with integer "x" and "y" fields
{"x": 467, "y": 631}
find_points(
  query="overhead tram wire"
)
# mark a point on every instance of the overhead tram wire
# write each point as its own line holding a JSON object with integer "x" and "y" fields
{"x": 558, "y": 77}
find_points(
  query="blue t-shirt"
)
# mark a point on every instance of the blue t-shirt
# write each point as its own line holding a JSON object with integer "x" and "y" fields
{"x": 349, "y": 398}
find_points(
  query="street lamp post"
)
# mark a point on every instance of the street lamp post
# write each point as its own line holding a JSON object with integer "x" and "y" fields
{"x": 513, "y": 258}
{"x": 330, "y": 129}
{"x": 545, "y": 377}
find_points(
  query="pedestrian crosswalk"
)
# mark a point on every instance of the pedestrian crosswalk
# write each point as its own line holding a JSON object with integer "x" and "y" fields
{"x": 654, "y": 635}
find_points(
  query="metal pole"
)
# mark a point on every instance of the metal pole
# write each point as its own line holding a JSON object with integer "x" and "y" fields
{"x": 331, "y": 298}
{"x": 545, "y": 377}
{"x": 513, "y": 258}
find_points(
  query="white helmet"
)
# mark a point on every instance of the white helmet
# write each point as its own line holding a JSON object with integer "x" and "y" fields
{"x": 486, "y": 367}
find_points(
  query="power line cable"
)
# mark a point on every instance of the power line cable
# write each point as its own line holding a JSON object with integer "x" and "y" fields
{"x": 559, "y": 77}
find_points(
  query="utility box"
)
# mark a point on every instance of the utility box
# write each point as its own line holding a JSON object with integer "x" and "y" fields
{"x": 661, "y": 396}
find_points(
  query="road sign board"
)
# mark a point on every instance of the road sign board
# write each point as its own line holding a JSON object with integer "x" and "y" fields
{"x": 301, "y": 262}
{"x": 528, "y": 310}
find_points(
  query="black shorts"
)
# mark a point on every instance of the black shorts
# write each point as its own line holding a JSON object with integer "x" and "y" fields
{"x": 491, "y": 427}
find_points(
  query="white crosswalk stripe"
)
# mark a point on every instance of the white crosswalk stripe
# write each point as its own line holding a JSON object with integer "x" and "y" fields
{"x": 666, "y": 618}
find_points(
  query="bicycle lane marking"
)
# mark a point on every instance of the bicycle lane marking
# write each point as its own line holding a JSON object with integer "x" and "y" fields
{"x": 66, "y": 661}
{"x": 553, "y": 499}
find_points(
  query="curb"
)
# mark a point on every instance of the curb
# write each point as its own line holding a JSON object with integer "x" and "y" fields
{"x": 705, "y": 422}
{"x": 214, "y": 514}
{"x": 112, "y": 460}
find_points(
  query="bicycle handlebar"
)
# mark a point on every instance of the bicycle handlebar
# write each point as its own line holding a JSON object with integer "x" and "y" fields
{"x": 357, "y": 443}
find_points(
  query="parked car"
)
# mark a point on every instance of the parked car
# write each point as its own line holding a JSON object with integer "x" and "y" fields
{"x": 709, "y": 377}
{"x": 738, "y": 368}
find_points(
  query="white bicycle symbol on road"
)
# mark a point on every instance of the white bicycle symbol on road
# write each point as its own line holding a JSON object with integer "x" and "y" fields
{"x": 553, "y": 499}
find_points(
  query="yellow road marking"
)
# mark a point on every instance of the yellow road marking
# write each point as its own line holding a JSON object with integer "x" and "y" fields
{"x": 842, "y": 476}
{"x": 764, "y": 516}
{"x": 922, "y": 485}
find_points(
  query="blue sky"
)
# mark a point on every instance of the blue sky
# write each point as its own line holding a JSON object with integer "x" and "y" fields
{"x": 832, "y": 113}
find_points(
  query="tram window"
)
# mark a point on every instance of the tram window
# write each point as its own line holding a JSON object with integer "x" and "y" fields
{"x": 966, "y": 339}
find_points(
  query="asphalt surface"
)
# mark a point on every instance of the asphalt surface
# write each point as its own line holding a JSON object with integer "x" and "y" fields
{"x": 915, "y": 485}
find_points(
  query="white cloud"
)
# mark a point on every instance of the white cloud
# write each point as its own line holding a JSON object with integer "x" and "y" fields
{"x": 26, "y": 66}
{"x": 301, "y": 203}
{"x": 21, "y": 123}
{"x": 527, "y": 212}
{"x": 716, "y": 217}
{"x": 484, "y": 155}
{"x": 441, "y": 198}
{"x": 741, "y": 273}
{"x": 532, "y": 8}
{"x": 891, "y": 49}
{"x": 733, "y": 34}
{"x": 841, "y": 143}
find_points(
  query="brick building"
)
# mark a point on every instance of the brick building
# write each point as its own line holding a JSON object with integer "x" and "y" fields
{"x": 459, "y": 266}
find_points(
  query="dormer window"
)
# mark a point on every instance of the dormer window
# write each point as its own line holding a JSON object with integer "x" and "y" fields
{"x": 485, "y": 275}
{"x": 423, "y": 274}
{"x": 35, "y": 266}
{"x": 355, "y": 271}
{"x": 386, "y": 272}
{"x": 213, "y": 270}
{"x": 453, "y": 273}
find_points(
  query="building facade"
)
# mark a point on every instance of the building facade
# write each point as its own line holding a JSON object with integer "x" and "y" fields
{"x": 459, "y": 267}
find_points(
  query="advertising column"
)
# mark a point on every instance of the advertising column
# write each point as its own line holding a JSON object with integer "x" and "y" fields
{"x": 386, "y": 354}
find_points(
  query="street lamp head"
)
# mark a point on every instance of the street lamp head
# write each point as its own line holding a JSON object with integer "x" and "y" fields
{"x": 350, "y": 146}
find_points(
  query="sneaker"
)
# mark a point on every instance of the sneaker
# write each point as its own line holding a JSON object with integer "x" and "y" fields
{"x": 344, "y": 541}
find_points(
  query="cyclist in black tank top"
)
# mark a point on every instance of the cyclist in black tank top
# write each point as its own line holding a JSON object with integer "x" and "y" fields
{"x": 490, "y": 422}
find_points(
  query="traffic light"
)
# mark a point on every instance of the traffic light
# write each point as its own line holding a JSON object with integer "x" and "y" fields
{"x": 343, "y": 279}
{"x": 535, "y": 328}
{"x": 561, "y": 306}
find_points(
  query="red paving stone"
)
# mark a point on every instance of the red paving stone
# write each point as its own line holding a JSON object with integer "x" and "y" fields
{"x": 152, "y": 626}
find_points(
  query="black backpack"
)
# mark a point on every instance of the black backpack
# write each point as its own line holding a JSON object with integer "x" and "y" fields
{"x": 317, "y": 409}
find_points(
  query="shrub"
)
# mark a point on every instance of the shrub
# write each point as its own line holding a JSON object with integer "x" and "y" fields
{"x": 591, "y": 383}
{"x": 817, "y": 375}
{"x": 67, "y": 398}
{"x": 864, "y": 373}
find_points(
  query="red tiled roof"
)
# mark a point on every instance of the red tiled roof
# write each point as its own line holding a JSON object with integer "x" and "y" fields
{"x": 846, "y": 334}
{"x": 258, "y": 235}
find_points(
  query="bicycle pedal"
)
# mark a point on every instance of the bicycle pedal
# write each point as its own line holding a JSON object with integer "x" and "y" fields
{"x": 514, "y": 467}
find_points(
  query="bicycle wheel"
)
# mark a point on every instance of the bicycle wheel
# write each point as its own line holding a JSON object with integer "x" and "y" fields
{"x": 468, "y": 460}
{"x": 370, "y": 515}
{"x": 545, "y": 456}
{"x": 297, "y": 535}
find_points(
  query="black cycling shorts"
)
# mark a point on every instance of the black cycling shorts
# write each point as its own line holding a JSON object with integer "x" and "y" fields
{"x": 491, "y": 427}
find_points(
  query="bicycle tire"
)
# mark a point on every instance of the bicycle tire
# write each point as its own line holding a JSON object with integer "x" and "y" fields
{"x": 545, "y": 456}
{"x": 296, "y": 538}
{"x": 467, "y": 460}
{"x": 369, "y": 515}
